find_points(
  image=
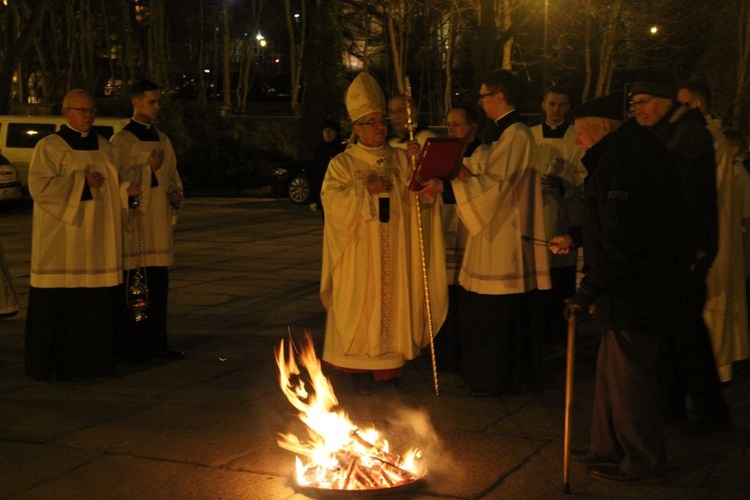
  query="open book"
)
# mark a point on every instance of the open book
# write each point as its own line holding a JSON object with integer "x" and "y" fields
{"x": 441, "y": 157}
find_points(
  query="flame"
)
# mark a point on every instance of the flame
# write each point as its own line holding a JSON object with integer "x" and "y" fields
{"x": 338, "y": 454}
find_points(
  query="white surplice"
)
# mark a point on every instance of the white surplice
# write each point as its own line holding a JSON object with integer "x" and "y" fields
{"x": 561, "y": 210}
{"x": 726, "y": 308}
{"x": 498, "y": 207}
{"x": 75, "y": 244}
{"x": 156, "y": 211}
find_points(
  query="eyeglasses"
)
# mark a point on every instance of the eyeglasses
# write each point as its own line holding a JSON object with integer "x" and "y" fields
{"x": 371, "y": 123}
{"x": 639, "y": 103}
{"x": 482, "y": 96}
{"x": 85, "y": 111}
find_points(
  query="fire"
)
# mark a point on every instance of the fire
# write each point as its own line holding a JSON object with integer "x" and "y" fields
{"x": 338, "y": 454}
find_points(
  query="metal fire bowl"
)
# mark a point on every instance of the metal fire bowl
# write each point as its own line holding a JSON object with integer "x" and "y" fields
{"x": 315, "y": 492}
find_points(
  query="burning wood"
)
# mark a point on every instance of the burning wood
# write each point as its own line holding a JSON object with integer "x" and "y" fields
{"x": 338, "y": 455}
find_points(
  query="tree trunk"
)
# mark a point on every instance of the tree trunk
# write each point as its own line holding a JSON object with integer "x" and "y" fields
{"x": 587, "y": 52}
{"x": 743, "y": 60}
{"x": 227, "y": 90}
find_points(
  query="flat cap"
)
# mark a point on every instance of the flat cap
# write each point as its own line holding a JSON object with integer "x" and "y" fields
{"x": 606, "y": 106}
{"x": 655, "y": 83}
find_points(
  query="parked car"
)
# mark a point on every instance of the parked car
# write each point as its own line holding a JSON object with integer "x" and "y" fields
{"x": 10, "y": 184}
{"x": 295, "y": 179}
{"x": 19, "y": 135}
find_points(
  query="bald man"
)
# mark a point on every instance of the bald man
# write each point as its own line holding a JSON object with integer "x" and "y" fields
{"x": 76, "y": 251}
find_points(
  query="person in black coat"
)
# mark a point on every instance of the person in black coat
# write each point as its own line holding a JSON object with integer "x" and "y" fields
{"x": 631, "y": 233}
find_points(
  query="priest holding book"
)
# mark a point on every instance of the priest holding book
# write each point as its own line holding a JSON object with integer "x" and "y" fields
{"x": 503, "y": 266}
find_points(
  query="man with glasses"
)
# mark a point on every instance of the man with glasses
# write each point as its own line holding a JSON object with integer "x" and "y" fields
{"x": 371, "y": 282}
{"x": 148, "y": 161}
{"x": 506, "y": 260}
{"x": 689, "y": 361}
{"x": 76, "y": 250}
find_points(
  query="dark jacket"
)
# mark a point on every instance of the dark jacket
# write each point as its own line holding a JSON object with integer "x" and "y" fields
{"x": 631, "y": 231}
{"x": 684, "y": 133}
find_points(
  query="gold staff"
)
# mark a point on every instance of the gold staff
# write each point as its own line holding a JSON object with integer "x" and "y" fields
{"x": 412, "y": 126}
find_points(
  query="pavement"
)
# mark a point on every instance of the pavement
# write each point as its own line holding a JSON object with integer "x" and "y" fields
{"x": 246, "y": 275}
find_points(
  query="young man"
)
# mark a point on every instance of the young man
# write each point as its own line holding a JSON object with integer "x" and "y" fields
{"x": 76, "y": 248}
{"x": 502, "y": 268}
{"x": 559, "y": 160}
{"x": 147, "y": 160}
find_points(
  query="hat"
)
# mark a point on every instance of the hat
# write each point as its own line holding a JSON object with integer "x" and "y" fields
{"x": 606, "y": 106}
{"x": 330, "y": 124}
{"x": 364, "y": 96}
{"x": 654, "y": 83}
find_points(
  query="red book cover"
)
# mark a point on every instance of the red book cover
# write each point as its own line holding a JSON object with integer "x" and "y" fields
{"x": 441, "y": 157}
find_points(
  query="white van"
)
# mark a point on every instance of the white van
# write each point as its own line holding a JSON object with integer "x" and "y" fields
{"x": 19, "y": 135}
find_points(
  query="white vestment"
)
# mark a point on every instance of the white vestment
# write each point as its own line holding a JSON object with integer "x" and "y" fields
{"x": 498, "y": 207}
{"x": 561, "y": 210}
{"x": 371, "y": 282}
{"x": 156, "y": 211}
{"x": 454, "y": 230}
{"x": 75, "y": 244}
{"x": 420, "y": 136}
{"x": 726, "y": 309}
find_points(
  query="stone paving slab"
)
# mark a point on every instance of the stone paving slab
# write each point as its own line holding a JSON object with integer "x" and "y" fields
{"x": 245, "y": 274}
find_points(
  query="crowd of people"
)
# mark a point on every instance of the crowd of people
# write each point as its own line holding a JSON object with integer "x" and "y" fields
{"x": 102, "y": 212}
{"x": 645, "y": 183}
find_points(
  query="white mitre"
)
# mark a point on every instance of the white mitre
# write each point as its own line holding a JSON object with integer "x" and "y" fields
{"x": 364, "y": 96}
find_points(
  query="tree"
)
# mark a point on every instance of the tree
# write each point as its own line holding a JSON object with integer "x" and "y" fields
{"x": 21, "y": 21}
{"x": 296, "y": 27}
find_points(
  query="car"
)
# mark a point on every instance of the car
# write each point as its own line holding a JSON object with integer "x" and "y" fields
{"x": 296, "y": 179}
{"x": 10, "y": 183}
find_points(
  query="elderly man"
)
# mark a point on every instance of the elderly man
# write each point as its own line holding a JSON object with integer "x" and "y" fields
{"x": 371, "y": 283}
{"x": 76, "y": 249}
{"x": 148, "y": 161}
{"x": 630, "y": 288}
{"x": 558, "y": 158}
{"x": 398, "y": 116}
{"x": 689, "y": 359}
{"x": 501, "y": 206}
{"x": 725, "y": 312}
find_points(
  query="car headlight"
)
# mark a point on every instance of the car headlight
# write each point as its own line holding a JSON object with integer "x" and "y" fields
{"x": 279, "y": 171}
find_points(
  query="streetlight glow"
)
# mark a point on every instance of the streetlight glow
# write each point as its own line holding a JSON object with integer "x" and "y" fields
{"x": 654, "y": 30}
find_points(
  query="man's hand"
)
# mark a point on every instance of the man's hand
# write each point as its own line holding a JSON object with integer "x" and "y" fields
{"x": 413, "y": 149}
{"x": 580, "y": 304}
{"x": 156, "y": 159}
{"x": 552, "y": 183}
{"x": 378, "y": 185}
{"x": 134, "y": 189}
{"x": 561, "y": 244}
{"x": 431, "y": 186}
{"x": 463, "y": 173}
{"x": 94, "y": 179}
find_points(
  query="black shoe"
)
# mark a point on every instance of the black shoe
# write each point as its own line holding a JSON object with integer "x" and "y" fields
{"x": 614, "y": 474}
{"x": 587, "y": 458}
{"x": 170, "y": 355}
{"x": 708, "y": 425}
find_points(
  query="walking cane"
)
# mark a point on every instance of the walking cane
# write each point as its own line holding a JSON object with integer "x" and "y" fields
{"x": 568, "y": 400}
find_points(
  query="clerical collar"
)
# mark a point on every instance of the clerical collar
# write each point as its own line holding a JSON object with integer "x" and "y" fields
{"x": 146, "y": 132}
{"x": 507, "y": 120}
{"x": 554, "y": 131}
{"x": 81, "y": 141}
{"x": 378, "y": 150}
